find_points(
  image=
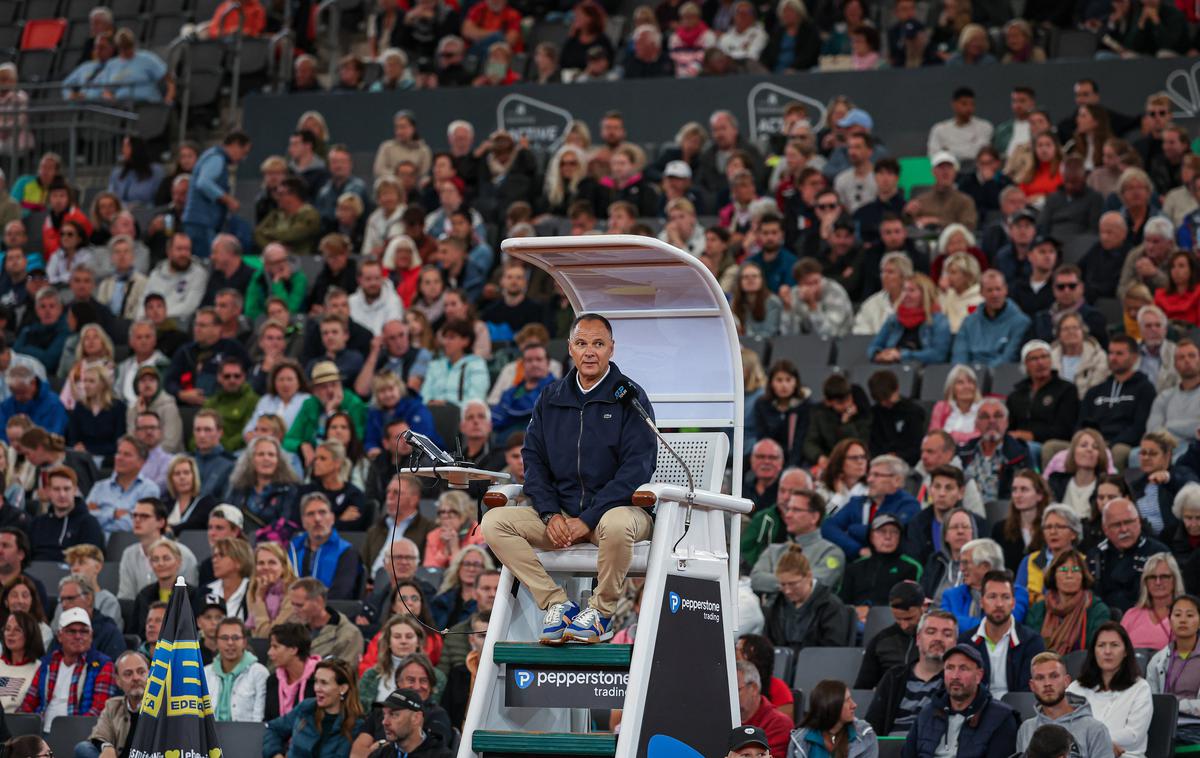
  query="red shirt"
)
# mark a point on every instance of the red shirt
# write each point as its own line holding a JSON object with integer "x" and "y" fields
{"x": 777, "y": 726}
{"x": 507, "y": 20}
{"x": 256, "y": 19}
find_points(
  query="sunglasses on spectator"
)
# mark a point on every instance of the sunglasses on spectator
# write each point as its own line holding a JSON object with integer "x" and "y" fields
{"x": 1065, "y": 285}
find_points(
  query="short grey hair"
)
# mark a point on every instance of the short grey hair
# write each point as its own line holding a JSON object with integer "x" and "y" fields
{"x": 1188, "y": 497}
{"x": 462, "y": 416}
{"x": 19, "y": 373}
{"x": 749, "y": 674}
{"x": 315, "y": 496}
{"x": 181, "y": 180}
{"x": 1151, "y": 309}
{"x": 723, "y": 113}
{"x": 1124, "y": 502}
{"x": 647, "y": 29}
{"x": 996, "y": 401}
{"x": 101, "y": 11}
{"x": 48, "y": 293}
{"x": 899, "y": 467}
{"x": 77, "y": 579}
{"x": 1068, "y": 514}
{"x": 1159, "y": 226}
{"x": 460, "y": 123}
{"x": 984, "y": 550}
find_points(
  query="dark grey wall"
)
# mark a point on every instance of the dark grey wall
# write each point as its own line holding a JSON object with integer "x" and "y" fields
{"x": 904, "y": 103}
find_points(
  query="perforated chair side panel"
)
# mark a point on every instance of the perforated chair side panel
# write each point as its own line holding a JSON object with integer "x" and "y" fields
{"x": 704, "y": 454}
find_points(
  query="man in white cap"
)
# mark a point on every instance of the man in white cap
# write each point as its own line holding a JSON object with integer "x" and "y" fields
{"x": 75, "y": 679}
{"x": 677, "y": 183}
{"x": 993, "y": 333}
{"x": 1043, "y": 406}
{"x": 943, "y": 204}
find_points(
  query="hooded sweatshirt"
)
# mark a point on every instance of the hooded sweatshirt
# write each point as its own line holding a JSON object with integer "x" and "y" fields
{"x": 1090, "y": 735}
{"x": 1118, "y": 410}
{"x": 241, "y": 694}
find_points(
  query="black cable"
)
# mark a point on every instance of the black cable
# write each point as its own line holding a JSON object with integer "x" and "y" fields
{"x": 414, "y": 461}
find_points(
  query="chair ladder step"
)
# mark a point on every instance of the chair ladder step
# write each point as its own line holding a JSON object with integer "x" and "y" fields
{"x": 544, "y": 743}
{"x": 534, "y": 654}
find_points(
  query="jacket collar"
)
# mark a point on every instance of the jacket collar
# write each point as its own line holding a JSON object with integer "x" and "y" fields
{"x": 564, "y": 392}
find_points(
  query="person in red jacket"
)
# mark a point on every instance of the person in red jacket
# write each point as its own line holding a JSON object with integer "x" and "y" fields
{"x": 59, "y": 208}
{"x": 758, "y": 711}
{"x": 1180, "y": 299}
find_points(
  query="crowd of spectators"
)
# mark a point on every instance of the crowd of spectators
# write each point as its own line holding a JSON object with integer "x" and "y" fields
{"x": 249, "y": 371}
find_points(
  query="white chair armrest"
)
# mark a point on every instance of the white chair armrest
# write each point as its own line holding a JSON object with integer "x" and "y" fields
{"x": 649, "y": 495}
{"x": 503, "y": 494}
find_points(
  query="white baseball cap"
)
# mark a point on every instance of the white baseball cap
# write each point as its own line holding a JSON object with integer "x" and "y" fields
{"x": 944, "y": 156}
{"x": 678, "y": 170}
{"x": 74, "y": 616}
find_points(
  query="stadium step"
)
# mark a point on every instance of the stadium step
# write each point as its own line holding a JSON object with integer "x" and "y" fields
{"x": 487, "y": 742}
{"x": 537, "y": 654}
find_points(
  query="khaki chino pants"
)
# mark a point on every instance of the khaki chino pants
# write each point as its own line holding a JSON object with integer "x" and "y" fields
{"x": 514, "y": 532}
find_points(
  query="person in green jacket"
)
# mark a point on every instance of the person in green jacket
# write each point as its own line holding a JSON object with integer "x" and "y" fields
{"x": 277, "y": 278}
{"x": 235, "y": 400}
{"x": 294, "y": 222}
{"x": 1069, "y": 614}
{"x": 328, "y": 398}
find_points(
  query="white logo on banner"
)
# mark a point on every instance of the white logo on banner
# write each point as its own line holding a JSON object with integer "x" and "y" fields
{"x": 767, "y": 102}
{"x": 543, "y": 124}
{"x": 1183, "y": 88}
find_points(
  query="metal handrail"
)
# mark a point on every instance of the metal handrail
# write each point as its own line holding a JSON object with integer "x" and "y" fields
{"x": 335, "y": 23}
{"x": 282, "y": 50}
{"x": 81, "y": 120}
{"x": 180, "y": 50}
{"x": 237, "y": 57}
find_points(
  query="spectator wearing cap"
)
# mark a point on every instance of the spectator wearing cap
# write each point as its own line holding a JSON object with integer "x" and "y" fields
{"x": 895, "y": 645}
{"x": 759, "y": 712}
{"x": 328, "y": 398}
{"x": 1013, "y": 258}
{"x": 1042, "y": 406}
{"x": 747, "y": 741}
{"x": 964, "y": 135}
{"x": 841, "y": 257}
{"x": 1101, "y": 265}
{"x": 965, "y": 719}
{"x": 943, "y": 203}
{"x": 404, "y": 729}
{"x": 906, "y": 687}
{"x": 1006, "y": 646}
{"x": 992, "y": 334}
{"x": 869, "y": 579}
{"x": 855, "y": 122}
{"x": 1147, "y": 262}
{"x": 90, "y": 672}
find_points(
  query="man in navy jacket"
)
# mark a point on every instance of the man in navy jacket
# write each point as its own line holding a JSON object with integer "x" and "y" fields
{"x": 885, "y": 494}
{"x": 585, "y": 453}
{"x": 1007, "y": 647}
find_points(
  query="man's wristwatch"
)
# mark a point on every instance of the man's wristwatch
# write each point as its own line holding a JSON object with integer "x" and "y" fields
{"x": 546, "y": 518}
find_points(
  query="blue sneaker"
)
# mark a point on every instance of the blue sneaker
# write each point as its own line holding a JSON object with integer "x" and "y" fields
{"x": 558, "y": 617}
{"x": 589, "y": 626}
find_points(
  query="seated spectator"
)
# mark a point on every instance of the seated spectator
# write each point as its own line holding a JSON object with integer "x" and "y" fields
{"x": 1057, "y": 709}
{"x": 1038, "y": 171}
{"x": 267, "y": 601}
{"x": 112, "y": 500}
{"x": 135, "y": 179}
{"x": 831, "y": 719}
{"x": 306, "y": 149}
{"x": 843, "y": 413}
{"x": 758, "y": 650}
{"x": 1119, "y": 561}
{"x": 1185, "y": 619}
{"x": 1154, "y": 488}
{"x": 285, "y": 391}
{"x": 455, "y": 600}
{"x": 1042, "y": 406}
{"x": 897, "y": 423}
{"x": 818, "y": 304}
{"x": 1122, "y": 419}
{"x": 458, "y": 375}
{"x": 979, "y": 558}
{"x": 1180, "y": 298}
{"x": 763, "y": 724}
{"x": 923, "y": 535}
{"x": 1149, "y": 621}
{"x": 776, "y": 262}
{"x": 943, "y": 569}
{"x": 165, "y": 558}
{"x": 1068, "y": 298}
{"x": 402, "y": 635}
{"x": 1076, "y": 355}
{"x": 236, "y": 680}
{"x": 23, "y": 651}
{"x": 327, "y": 478}
{"x": 319, "y": 551}
{"x": 293, "y": 223}
{"x": 86, "y": 562}
{"x": 627, "y": 182}
{"x": 1113, "y": 686}
{"x": 782, "y": 412}
{"x": 943, "y": 203}
{"x": 938, "y": 448}
{"x": 894, "y": 268}
{"x": 907, "y": 686}
{"x": 869, "y": 579}
{"x": 45, "y": 338}
{"x": 758, "y": 310}
{"x": 1147, "y": 262}
{"x": 291, "y": 672}
{"x": 337, "y": 700}
{"x": 387, "y": 220}
{"x": 97, "y": 420}
{"x": 231, "y": 567}
{"x": 795, "y": 43}
{"x": 1009, "y": 645}
{"x": 517, "y": 404}
{"x": 848, "y": 529}
{"x": 1086, "y": 462}
{"x": 1035, "y": 292}
{"x": 991, "y": 729}
{"x": 689, "y": 41}
{"x": 1156, "y": 353}
{"x": 72, "y": 251}
{"x": 149, "y": 526}
{"x": 955, "y": 413}
{"x": 332, "y": 634}
{"x": 95, "y": 677}
{"x": 1074, "y": 208}
{"x": 959, "y": 296}
{"x": 917, "y": 332}
{"x": 459, "y": 307}
{"x": 328, "y": 397}
{"x": 1061, "y": 531}
{"x": 994, "y": 456}
{"x": 1101, "y": 265}
{"x": 24, "y": 596}
{"x": 802, "y": 513}
{"x": 993, "y": 333}
{"x": 844, "y": 475}
{"x": 804, "y": 606}
{"x": 336, "y": 349}
{"x": 1069, "y": 614}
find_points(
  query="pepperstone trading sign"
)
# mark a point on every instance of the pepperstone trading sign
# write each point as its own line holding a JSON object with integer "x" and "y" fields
{"x": 560, "y": 687}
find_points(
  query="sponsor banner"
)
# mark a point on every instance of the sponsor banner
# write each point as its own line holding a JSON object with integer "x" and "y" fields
{"x": 562, "y": 687}
{"x": 543, "y": 124}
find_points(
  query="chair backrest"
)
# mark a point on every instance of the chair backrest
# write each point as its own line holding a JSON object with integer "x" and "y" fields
{"x": 1074, "y": 662}
{"x": 117, "y": 542}
{"x": 196, "y": 541}
{"x": 258, "y": 646}
{"x": 879, "y": 617}
{"x": 48, "y": 573}
{"x": 20, "y": 724}
{"x": 705, "y": 454}
{"x": 1161, "y": 739}
{"x": 241, "y": 739}
{"x": 1024, "y": 703}
{"x": 43, "y": 33}
{"x": 862, "y": 699}
{"x": 69, "y": 731}
{"x": 785, "y": 659}
{"x": 816, "y": 663}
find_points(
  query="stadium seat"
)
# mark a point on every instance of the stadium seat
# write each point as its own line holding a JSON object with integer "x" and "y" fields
{"x": 890, "y": 747}
{"x": 8, "y": 12}
{"x": 1005, "y": 378}
{"x": 996, "y": 511}
{"x": 356, "y": 539}
{"x": 933, "y": 381}
{"x": 78, "y": 10}
{"x": 802, "y": 349}
{"x": 241, "y": 739}
{"x": 132, "y": 641}
{"x": 163, "y": 31}
{"x": 40, "y": 9}
{"x": 852, "y": 350}
{"x": 431, "y": 574}
{"x": 785, "y": 659}
{"x": 153, "y": 120}
{"x": 1077, "y": 246}
{"x": 445, "y": 421}
{"x": 196, "y": 541}
{"x": 760, "y": 347}
{"x": 559, "y": 350}
{"x": 1161, "y": 737}
{"x": 1074, "y": 662}
{"x": 1072, "y": 43}
{"x": 1110, "y": 308}
{"x": 348, "y": 608}
{"x": 117, "y": 542}
{"x": 36, "y": 67}
{"x": 110, "y": 576}
{"x": 48, "y": 573}
{"x": 862, "y": 699}
{"x": 259, "y": 646}
{"x": 879, "y": 617}
{"x": 43, "y": 33}
{"x": 20, "y": 724}
{"x": 814, "y": 664}
{"x": 1024, "y": 703}
{"x": 69, "y": 731}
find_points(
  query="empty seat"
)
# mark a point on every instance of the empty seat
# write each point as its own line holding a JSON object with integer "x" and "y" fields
{"x": 153, "y": 119}
{"x": 69, "y": 731}
{"x": 43, "y": 33}
{"x": 117, "y": 542}
{"x": 36, "y": 65}
{"x": 40, "y": 9}
{"x": 1005, "y": 377}
{"x": 110, "y": 576}
{"x": 196, "y": 541}
{"x": 933, "y": 381}
{"x": 125, "y": 8}
{"x": 164, "y": 30}
{"x": 785, "y": 658}
{"x": 348, "y": 608}
{"x": 996, "y": 511}
{"x": 802, "y": 349}
{"x": 862, "y": 699}
{"x": 21, "y": 724}
{"x": 48, "y": 573}
{"x": 1074, "y": 662}
{"x": 78, "y": 10}
{"x": 1024, "y": 703}
{"x": 760, "y": 347}
{"x": 879, "y": 617}
{"x": 206, "y": 55}
{"x": 1161, "y": 736}
{"x": 445, "y": 420}
{"x": 241, "y": 739}
{"x": 852, "y": 349}
{"x": 814, "y": 664}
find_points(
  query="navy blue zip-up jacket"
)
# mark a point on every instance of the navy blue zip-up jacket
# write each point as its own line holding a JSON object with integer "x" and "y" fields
{"x": 990, "y": 730}
{"x": 585, "y": 454}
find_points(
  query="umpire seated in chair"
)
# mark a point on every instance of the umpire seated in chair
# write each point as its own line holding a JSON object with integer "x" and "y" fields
{"x": 585, "y": 453}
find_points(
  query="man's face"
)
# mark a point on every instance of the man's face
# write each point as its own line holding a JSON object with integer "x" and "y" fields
{"x": 591, "y": 349}
{"x": 132, "y": 675}
{"x": 1157, "y": 247}
{"x": 1049, "y": 683}
{"x": 414, "y": 677}
{"x": 10, "y": 555}
{"x": 1068, "y": 289}
{"x": 893, "y": 234}
{"x": 841, "y": 240}
{"x": 395, "y": 338}
{"x": 228, "y": 308}
{"x": 997, "y": 602}
{"x": 126, "y": 462}
{"x": 206, "y": 330}
{"x": 886, "y": 539}
{"x": 370, "y": 280}
{"x": 76, "y": 639}
{"x": 964, "y": 108}
{"x": 180, "y": 252}
{"x": 799, "y": 517}
{"x": 944, "y": 174}
{"x": 995, "y": 292}
{"x": 1187, "y": 361}
{"x": 1022, "y": 104}
{"x": 154, "y": 622}
{"x": 62, "y": 493}
{"x": 1121, "y": 524}
{"x": 231, "y": 642}
{"x": 906, "y": 618}
{"x": 991, "y": 422}
{"x": 145, "y": 520}
{"x": 612, "y": 131}
{"x": 82, "y": 285}
{"x": 485, "y": 591}
{"x": 537, "y": 364}
{"x": 1038, "y": 365}
{"x": 318, "y": 519}
{"x": 231, "y": 378}
{"x": 766, "y": 461}
{"x": 771, "y": 236}
{"x": 724, "y": 133}
{"x": 1112, "y": 232}
{"x": 1153, "y": 328}
{"x": 962, "y": 678}
{"x": 944, "y": 493}
{"x": 749, "y": 697}
{"x": 156, "y": 310}
{"x": 404, "y": 559}
{"x": 1022, "y": 231}
{"x": 881, "y": 481}
{"x": 1085, "y": 94}
{"x": 476, "y": 422}
{"x": 205, "y": 433}
{"x": 1120, "y": 358}
{"x": 49, "y": 310}
{"x": 936, "y": 637}
{"x": 857, "y": 151}
{"x": 340, "y": 165}
{"x": 398, "y": 723}
{"x": 1174, "y": 148}
{"x": 333, "y": 337}
{"x": 14, "y": 235}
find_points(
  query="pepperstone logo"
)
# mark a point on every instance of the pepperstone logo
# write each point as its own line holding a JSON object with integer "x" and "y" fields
{"x": 711, "y": 611}
{"x": 767, "y": 102}
{"x": 674, "y": 601}
{"x": 543, "y": 124}
{"x": 523, "y": 678}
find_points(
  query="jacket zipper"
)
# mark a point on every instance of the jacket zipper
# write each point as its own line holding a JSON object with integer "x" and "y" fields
{"x": 579, "y": 458}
